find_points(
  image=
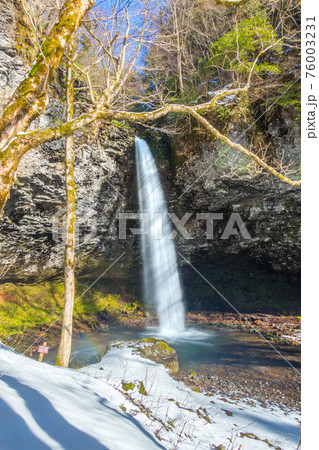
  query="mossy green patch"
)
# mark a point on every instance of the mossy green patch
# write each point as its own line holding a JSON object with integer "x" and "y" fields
{"x": 25, "y": 307}
{"x": 162, "y": 345}
{"x": 195, "y": 388}
{"x": 150, "y": 339}
{"x": 158, "y": 351}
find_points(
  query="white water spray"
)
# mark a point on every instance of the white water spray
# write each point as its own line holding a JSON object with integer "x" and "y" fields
{"x": 161, "y": 278}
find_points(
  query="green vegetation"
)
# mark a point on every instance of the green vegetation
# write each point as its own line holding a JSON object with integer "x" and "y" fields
{"x": 195, "y": 388}
{"x": 160, "y": 345}
{"x": 149, "y": 339}
{"x": 116, "y": 305}
{"x": 29, "y": 306}
{"x": 24, "y": 307}
{"x": 160, "y": 352}
{"x": 236, "y": 50}
{"x": 288, "y": 96}
{"x": 127, "y": 386}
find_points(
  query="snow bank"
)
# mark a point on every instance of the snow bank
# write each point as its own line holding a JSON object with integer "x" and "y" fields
{"x": 47, "y": 407}
{"x": 104, "y": 406}
{"x": 181, "y": 417}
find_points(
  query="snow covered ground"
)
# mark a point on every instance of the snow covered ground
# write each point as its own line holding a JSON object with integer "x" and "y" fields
{"x": 295, "y": 336}
{"x": 104, "y": 406}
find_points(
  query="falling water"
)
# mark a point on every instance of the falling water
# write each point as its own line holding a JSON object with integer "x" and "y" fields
{"x": 161, "y": 279}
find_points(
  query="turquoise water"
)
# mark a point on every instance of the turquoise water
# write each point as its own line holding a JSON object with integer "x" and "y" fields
{"x": 196, "y": 347}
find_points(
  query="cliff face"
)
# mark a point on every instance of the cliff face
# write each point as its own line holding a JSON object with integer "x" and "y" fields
{"x": 12, "y": 68}
{"x": 269, "y": 210}
{"x": 202, "y": 178}
{"x": 208, "y": 177}
{"x": 31, "y": 241}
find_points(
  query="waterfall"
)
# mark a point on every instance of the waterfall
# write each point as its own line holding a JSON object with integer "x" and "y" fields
{"x": 161, "y": 278}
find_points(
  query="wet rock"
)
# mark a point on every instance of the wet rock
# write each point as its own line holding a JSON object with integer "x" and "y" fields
{"x": 150, "y": 348}
{"x": 160, "y": 352}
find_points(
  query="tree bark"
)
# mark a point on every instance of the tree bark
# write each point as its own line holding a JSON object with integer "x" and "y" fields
{"x": 179, "y": 51}
{"x": 63, "y": 356}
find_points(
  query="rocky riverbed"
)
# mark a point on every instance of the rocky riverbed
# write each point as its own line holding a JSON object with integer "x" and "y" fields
{"x": 272, "y": 327}
{"x": 265, "y": 386}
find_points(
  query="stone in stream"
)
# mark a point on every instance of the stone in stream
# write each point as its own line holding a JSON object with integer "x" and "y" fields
{"x": 150, "y": 348}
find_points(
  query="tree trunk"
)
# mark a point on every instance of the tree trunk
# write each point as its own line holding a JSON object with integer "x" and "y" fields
{"x": 64, "y": 351}
{"x": 179, "y": 52}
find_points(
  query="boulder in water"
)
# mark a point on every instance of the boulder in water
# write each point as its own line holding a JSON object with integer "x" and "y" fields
{"x": 160, "y": 352}
{"x": 150, "y": 348}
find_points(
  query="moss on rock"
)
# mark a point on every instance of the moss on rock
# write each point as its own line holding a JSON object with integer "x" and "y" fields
{"x": 150, "y": 348}
{"x": 160, "y": 352}
{"x": 141, "y": 388}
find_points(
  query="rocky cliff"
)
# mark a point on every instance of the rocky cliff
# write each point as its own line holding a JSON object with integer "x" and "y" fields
{"x": 31, "y": 242}
{"x": 208, "y": 177}
{"x": 258, "y": 271}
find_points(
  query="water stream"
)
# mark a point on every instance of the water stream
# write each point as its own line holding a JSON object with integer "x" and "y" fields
{"x": 162, "y": 285}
